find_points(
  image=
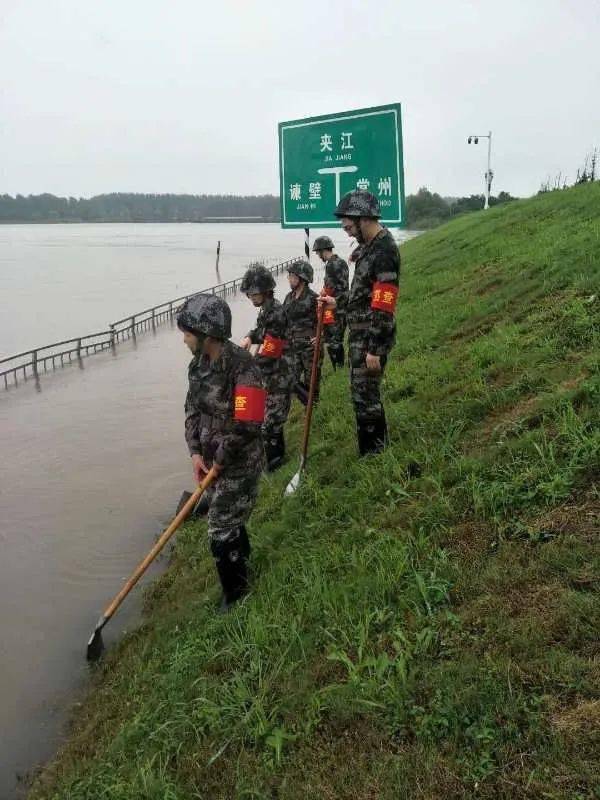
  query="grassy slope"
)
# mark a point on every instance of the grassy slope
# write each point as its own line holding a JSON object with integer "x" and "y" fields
{"x": 429, "y": 636}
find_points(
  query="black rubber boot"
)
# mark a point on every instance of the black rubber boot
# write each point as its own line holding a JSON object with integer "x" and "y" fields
{"x": 381, "y": 437}
{"x": 244, "y": 542}
{"x": 336, "y": 355}
{"x": 301, "y": 393}
{"x": 274, "y": 451}
{"x": 372, "y": 435}
{"x": 231, "y": 563}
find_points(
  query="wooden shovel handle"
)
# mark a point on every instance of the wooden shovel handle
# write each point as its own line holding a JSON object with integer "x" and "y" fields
{"x": 164, "y": 538}
{"x": 313, "y": 380}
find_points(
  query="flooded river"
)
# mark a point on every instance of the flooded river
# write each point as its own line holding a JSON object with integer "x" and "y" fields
{"x": 93, "y": 463}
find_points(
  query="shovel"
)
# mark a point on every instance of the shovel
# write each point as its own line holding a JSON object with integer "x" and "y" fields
{"x": 295, "y": 482}
{"x": 95, "y": 645}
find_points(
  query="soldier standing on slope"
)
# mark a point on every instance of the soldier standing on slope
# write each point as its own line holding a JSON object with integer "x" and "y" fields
{"x": 371, "y": 307}
{"x": 270, "y": 333}
{"x": 335, "y": 284}
{"x": 300, "y": 306}
{"x": 224, "y": 411}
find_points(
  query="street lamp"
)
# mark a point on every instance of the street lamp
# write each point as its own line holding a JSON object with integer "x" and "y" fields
{"x": 489, "y": 174}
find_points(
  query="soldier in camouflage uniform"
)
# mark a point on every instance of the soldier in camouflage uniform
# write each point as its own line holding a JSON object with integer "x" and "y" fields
{"x": 270, "y": 333}
{"x": 224, "y": 412}
{"x": 371, "y": 308}
{"x": 300, "y": 307}
{"x": 335, "y": 284}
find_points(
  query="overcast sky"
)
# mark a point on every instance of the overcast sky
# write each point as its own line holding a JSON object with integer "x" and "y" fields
{"x": 146, "y": 96}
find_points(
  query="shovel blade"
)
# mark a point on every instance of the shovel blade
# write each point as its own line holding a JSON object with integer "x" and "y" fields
{"x": 95, "y": 646}
{"x": 185, "y": 496}
{"x": 295, "y": 482}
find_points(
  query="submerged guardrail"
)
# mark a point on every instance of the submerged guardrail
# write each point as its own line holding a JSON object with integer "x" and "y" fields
{"x": 38, "y": 360}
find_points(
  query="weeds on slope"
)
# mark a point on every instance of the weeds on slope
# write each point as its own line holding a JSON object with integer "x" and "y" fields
{"x": 423, "y": 623}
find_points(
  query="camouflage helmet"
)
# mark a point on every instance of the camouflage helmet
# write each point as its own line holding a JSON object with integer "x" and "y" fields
{"x": 358, "y": 204}
{"x": 322, "y": 243}
{"x": 257, "y": 280}
{"x": 302, "y": 269}
{"x": 207, "y": 315}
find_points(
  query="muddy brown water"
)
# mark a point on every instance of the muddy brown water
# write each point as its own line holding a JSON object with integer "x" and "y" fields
{"x": 92, "y": 461}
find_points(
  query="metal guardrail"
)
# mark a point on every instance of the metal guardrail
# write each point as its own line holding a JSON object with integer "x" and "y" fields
{"x": 31, "y": 363}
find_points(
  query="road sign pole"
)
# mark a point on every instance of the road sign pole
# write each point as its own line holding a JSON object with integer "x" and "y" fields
{"x": 307, "y": 243}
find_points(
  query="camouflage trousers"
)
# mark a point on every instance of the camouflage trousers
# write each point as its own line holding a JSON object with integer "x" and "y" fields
{"x": 232, "y": 497}
{"x": 365, "y": 385}
{"x": 277, "y": 409}
{"x": 334, "y": 339}
{"x": 301, "y": 358}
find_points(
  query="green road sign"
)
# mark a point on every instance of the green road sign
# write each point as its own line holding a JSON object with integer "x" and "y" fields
{"x": 322, "y": 158}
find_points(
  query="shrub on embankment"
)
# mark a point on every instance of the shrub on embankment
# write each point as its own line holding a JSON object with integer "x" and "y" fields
{"x": 424, "y": 623}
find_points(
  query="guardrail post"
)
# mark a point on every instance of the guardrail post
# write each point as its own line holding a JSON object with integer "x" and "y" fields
{"x": 112, "y": 335}
{"x": 153, "y": 318}
{"x": 78, "y": 348}
{"x": 34, "y": 360}
{"x": 133, "y": 325}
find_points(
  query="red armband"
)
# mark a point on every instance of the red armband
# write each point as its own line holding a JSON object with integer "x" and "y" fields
{"x": 328, "y": 316}
{"x": 249, "y": 404}
{"x": 329, "y": 313}
{"x": 384, "y": 297}
{"x": 271, "y": 347}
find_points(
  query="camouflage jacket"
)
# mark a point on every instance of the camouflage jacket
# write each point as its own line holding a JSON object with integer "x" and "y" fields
{"x": 211, "y": 428}
{"x": 378, "y": 263}
{"x": 337, "y": 281}
{"x": 301, "y": 316}
{"x": 271, "y": 322}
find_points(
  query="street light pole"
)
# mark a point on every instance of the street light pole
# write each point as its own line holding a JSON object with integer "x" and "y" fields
{"x": 489, "y": 174}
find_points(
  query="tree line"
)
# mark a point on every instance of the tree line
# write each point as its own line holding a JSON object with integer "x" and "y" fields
{"x": 427, "y": 209}
{"x": 424, "y": 209}
{"x": 129, "y": 207}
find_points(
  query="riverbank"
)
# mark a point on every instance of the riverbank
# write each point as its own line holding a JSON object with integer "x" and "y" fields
{"x": 423, "y": 623}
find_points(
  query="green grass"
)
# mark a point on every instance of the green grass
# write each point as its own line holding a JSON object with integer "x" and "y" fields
{"x": 429, "y": 635}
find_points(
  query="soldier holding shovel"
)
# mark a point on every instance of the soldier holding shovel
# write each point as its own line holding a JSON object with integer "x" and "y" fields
{"x": 336, "y": 285}
{"x": 270, "y": 333}
{"x": 224, "y": 412}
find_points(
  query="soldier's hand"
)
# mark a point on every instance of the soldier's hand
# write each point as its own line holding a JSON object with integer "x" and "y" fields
{"x": 326, "y": 300}
{"x": 373, "y": 363}
{"x": 246, "y": 343}
{"x": 199, "y": 467}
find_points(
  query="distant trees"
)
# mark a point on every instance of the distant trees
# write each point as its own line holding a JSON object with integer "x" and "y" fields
{"x": 426, "y": 209}
{"x": 129, "y": 207}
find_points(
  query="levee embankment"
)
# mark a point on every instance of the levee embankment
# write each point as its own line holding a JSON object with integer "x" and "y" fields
{"x": 424, "y": 623}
